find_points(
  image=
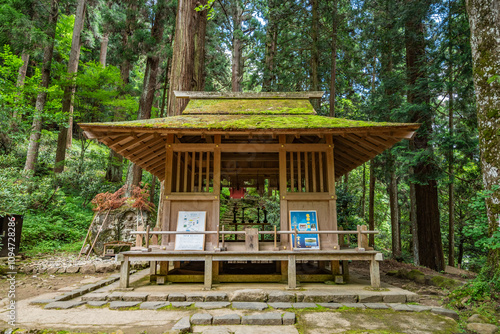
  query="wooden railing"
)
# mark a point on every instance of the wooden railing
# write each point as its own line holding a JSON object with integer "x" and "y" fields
{"x": 361, "y": 232}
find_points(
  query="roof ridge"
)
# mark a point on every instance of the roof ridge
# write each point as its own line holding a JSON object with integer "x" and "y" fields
{"x": 248, "y": 95}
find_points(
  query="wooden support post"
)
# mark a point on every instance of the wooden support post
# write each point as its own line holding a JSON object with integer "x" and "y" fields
{"x": 306, "y": 170}
{"x": 138, "y": 237}
{"x": 217, "y": 238}
{"x": 341, "y": 238}
{"x": 314, "y": 170}
{"x": 292, "y": 173}
{"x": 345, "y": 270}
{"x": 215, "y": 271}
{"x": 284, "y": 270}
{"x": 321, "y": 183}
{"x": 299, "y": 172}
{"x": 208, "y": 273}
{"x": 163, "y": 268}
{"x": 223, "y": 238}
{"x": 374, "y": 273}
{"x": 364, "y": 237}
{"x": 193, "y": 169}
{"x": 275, "y": 239}
{"x": 186, "y": 160}
{"x": 335, "y": 267}
{"x": 147, "y": 236}
{"x": 292, "y": 272}
{"x": 207, "y": 180}
{"x": 252, "y": 239}
{"x": 200, "y": 173}
{"x": 152, "y": 268}
{"x": 154, "y": 237}
{"x": 178, "y": 179}
{"x": 216, "y": 183}
{"x": 124, "y": 273}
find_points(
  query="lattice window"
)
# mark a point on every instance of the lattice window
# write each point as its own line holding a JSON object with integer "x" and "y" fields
{"x": 307, "y": 172}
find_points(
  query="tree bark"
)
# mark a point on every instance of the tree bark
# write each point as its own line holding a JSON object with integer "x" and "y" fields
{"x": 451, "y": 176}
{"x": 48, "y": 52}
{"x": 236, "y": 59}
{"x": 484, "y": 19}
{"x": 314, "y": 52}
{"x": 187, "y": 32}
{"x": 363, "y": 192}
{"x": 426, "y": 192}
{"x": 371, "y": 205}
{"x": 104, "y": 49}
{"x": 333, "y": 71}
{"x": 394, "y": 208}
{"x": 269, "y": 77}
{"x": 65, "y": 133}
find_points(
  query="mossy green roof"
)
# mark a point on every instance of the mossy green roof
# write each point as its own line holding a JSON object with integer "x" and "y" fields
{"x": 245, "y": 122}
{"x": 249, "y": 107}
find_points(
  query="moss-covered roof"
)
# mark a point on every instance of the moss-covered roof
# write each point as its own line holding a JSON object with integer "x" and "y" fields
{"x": 245, "y": 122}
{"x": 249, "y": 107}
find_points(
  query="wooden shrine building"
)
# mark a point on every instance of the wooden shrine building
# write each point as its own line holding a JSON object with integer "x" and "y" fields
{"x": 241, "y": 140}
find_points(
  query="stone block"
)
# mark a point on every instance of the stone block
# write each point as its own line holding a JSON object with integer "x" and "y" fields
{"x": 135, "y": 296}
{"x": 413, "y": 298}
{"x": 216, "y": 297}
{"x": 181, "y": 304}
{"x": 95, "y": 297}
{"x": 72, "y": 270}
{"x": 104, "y": 267}
{"x": 280, "y": 305}
{"x": 97, "y": 303}
{"x": 304, "y": 305}
{"x": 281, "y": 297}
{"x": 52, "y": 270}
{"x": 249, "y": 306}
{"x": 119, "y": 304}
{"x": 262, "y": 319}
{"x": 157, "y": 296}
{"x": 227, "y": 319}
{"x": 63, "y": 305}
{"x": 344, "y": 299}
{"x": 42, "y": 301}
{"x": 201, "y": 319}
{"x": 288, "y": 318}
{"x": 420, "y": 308}
{"x": 395, "y": 298}
{"x": 354, "y": 305}
{"x": 176, "y": 297}
{"x": 376, "y": 306}
{"x": 211, "y": 305}
{"x": 370, "y": 298}
{"x": 249, "y": 295}
{"x": 314, "y": 297}
{"x": 182, "y": 325}
{"x": 153, "y": 305}
{"x": 114, "y": 296}
{"x": 61, "y": 270}
{"x": 194, "y": 297}
{"x": 87, "y": 269}
{"x": 481, "y": 328}
{"x": 332, "y": 306}
{"x": 400, "y": 307}
{"x": 445, "y": 312}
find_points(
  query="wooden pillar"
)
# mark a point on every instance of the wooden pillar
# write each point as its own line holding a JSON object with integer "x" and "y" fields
{"x": 208, "y": 273}
{"x": 163, "y": 268}
{"x": 168, "y": 189}
{"x": 374, "y": 273}
{"x": 284, "y": 270}
{"x": 216, "y": 187}
{"x": 282, "y": 190}
{"x": 124, "y": 272}
{"x": 332, "y": 205}
{"x": 335, "y": 267}
{"x": 292, "y": 272}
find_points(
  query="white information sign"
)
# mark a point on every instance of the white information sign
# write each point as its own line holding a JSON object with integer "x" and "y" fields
{"x": 190, "y": 221}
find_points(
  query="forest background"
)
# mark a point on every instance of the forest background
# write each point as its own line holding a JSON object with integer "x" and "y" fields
{"x": 435, "y": 199}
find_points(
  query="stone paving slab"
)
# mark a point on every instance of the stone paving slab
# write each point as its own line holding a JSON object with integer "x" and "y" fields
{"x": 400, "y": 307}
{"x": 242, "y": 329}
{"x": 216, "y": 297}
{"x": 176, "y": 297}
{"x": 362, "y": 298}
{"x": 155, "y": 296}
{"x": 249, "y": 295}
{"x": 201, "y": 319}
{"x": 332, "y": 306}
{"x": 211, "y": 305}
{"x": 153, "y": 305}
{"x": 194, "y": 297}
{"x": 97, "y": 303}
{"x": 115, "y": 305}
{"x": 42, "y": 301}
{"x": 445, "y": 312}
{"x": 95, "y": 297}
{"x": 183, "y": 325}
{"x": 249, "y": 306}
{"x": 280, "y": 305}
{"x": 304, "y": 305}
{"x": 63, "y": 305}
{"x": 134, "y": 296}
{"x": 314, "y": 297}
{"x": 394, "y": 298}
{"x": 181, "y": 304}
{"x": 345, "y": 298}
{"x": 262, "y": 319}
{"x": 376, "y": 306}
{"x": 227, "y": 319}
{"x": 288, "y": 318}
{"x": 281, "y": 297}
{"x": 354, "y": 305}
{"x": 115, "y": 296}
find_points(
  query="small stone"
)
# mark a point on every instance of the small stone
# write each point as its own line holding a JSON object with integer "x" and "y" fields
{"x": 394, "y": 299}
{"x": 63, "y": 305}
{"x": 263, "y": 319}
{"x": 283, "y": 306}
{"x": 376, "y": 306}
{"x": 201, "y": 319}
{"x": 249, "y": 306}
{"x": 135, "y": 296}
{"x": 315, "y": 297}
{"x": 481, "y": 328}
{"x": 211, "y": 305}
{"x": 118, "y": 305}
{"x": 181, "y": 304}
{"x": 477, "y": 318}
{"x": 155, "y": 297}
{"x": 87, "y": 269}
{"x": 281, "y": 297}
{"x": 345, "y": 299}
{"x": 103, "y": 268}
{"x": 288, "y": 318}
{"x": 226, "y": 319}
{"x": 72, "y": 270}
{"x": 194, "y": 297}
{"x": 52, "y": 270}
{"x": 153, "y": 305}
{"x": 96, "y": 303}
{"x": 400, "y": 307}
{"x": 249, "y": 295}
{"x": 61, "y": 270}
{"x": 412, "y": 298}
{"x": 116, "y": 295}
{"x": 176, "y": 297}
{"x": 419, "y": 308}
{"x": 332, "y": 306}
{"x": 371, "y": 298}
{"x": 304, "y": 305}
{"x": 95, "y": 297}
{"x": 354, "y": 305}
{"x": 445, "y": 312}
{"x": 182, "y": 325}
{"x": 216, "y": 297}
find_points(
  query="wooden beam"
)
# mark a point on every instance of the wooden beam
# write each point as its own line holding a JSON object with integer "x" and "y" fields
{"x": 239, "y": 95}
{"x": 134, "y": 142}
{"x": 169, "y": 164}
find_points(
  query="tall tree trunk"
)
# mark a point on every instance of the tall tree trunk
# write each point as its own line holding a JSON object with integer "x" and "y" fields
{"x": 65, "y": 133}
{"x": 426, "y": 192}
{"x": 371, "y": 205}
{"x": 484, "y": 19}
{"x": 314, "y": 52}
{"x": 451, "y": 176}
{"x": 394, "y": 208}
{"x": 413, "y": 221}
{"x": 104, "y": 49}
{"x": 48, "y": 51}
{"x": 363, "y": 193}
{"x": 333, "y": 55}
{"x": 271, "y": 45}
{"x": 236, "y": 60}
{"x": 21, "y": 76}
{"x": 187, "y": 32}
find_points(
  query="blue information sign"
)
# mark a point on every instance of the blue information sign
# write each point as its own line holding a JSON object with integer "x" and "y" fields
{"x": 304, "y": 221}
